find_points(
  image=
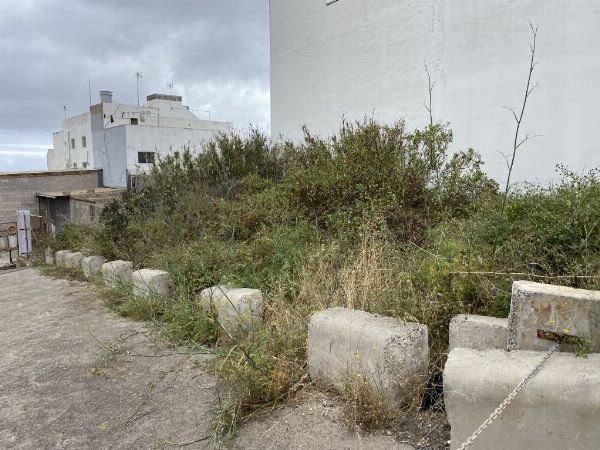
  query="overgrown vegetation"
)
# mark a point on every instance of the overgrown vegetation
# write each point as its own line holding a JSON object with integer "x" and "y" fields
{"x": 376, "y": 218}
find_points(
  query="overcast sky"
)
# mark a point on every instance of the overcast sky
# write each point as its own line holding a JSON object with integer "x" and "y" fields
{"x": 216, "y": 52}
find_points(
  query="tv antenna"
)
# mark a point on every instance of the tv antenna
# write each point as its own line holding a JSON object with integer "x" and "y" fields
{"x": 138, "y": 75}
{"x": 170, "y": 86}
{"x": 65, "y": 109}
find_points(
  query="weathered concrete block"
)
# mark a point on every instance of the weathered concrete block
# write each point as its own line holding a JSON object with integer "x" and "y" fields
{"x": 238, "y": 310}
{"x": 73, "y": 260}
{"x": 478, "y": 332}
{"x": 91, "y": 265}
{"x": 60, "y": 256}
{"x": 539, "y": 312}
{"x": 212, "y": 294}
{"x": 557, "y": 410}
{"x": 116, "y": 273}
{"x": 49, "y": 257}
{"x": 390, "y": 354}
{"x": 148, "y": 282}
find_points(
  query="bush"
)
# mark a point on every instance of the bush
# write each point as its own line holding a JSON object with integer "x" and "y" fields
{"x": 375, "y": 218}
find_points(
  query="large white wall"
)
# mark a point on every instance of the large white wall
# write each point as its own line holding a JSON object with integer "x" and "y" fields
{"x": 357, "y": 58}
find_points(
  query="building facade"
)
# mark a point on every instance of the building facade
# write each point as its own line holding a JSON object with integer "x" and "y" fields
{"x": 355, "y": 58}
{"x": 19, "y": 190}
{"x": 123, "y": 140}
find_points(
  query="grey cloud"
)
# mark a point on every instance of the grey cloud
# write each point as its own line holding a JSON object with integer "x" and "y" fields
{"x": 216, "y": 52}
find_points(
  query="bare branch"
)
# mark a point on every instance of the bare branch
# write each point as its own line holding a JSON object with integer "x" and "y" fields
{"x": 517, "y": 142}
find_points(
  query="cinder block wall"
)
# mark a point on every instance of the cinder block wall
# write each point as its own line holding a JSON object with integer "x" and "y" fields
{"x": 17, "y": 190}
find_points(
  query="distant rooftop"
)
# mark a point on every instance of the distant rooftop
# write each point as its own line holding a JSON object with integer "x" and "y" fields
{"x": 46, "y": 173}
{"x": 92, "y": 195}
{"x": 173, "y": 98}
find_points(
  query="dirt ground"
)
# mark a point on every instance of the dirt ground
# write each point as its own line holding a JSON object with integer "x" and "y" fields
{"x": 73, "y": 375}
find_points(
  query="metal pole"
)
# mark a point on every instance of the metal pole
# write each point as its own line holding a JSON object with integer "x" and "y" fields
{"x": 138, "y": 75}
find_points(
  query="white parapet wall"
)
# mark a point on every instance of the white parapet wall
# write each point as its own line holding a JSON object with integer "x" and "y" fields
{"x": 60, "y": 256}
{"x": 389, "y": 354}
{"x": 116, "y": 273}
{"x": 73, "y": 260}
{"x": 148, "y": 282}
{"x": 542, "y": 311}
{"x": 558, "y": 410}
{"x": 91, "y": 265}
{"x": 478, "y": 332}
{"x": 237, "y": 310}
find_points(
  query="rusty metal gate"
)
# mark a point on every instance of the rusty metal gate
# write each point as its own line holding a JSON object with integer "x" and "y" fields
{"x": 19, "y": 239}
{"x": 9, "y": 245}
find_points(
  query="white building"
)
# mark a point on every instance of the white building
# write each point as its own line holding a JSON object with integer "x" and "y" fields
{"x": 123, "y": 139}
{"x": 356, "y": 58}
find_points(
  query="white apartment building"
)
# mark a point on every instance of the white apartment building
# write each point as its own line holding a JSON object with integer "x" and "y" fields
{"x": 123, "y": 140}
{"x": 357, "y": 58}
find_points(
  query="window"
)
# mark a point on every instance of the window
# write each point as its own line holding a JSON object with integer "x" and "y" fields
{"x": 134, "y": 121}
{"x": 83, "y": 141}
{"x": 74, "y": 165}
{"x": 85, "y": 165}
{"x": 72, "y": 142}
{"x": 146, "y": 157}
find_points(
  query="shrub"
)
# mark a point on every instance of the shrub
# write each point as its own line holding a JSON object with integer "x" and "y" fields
{"x": 375, "y": 218}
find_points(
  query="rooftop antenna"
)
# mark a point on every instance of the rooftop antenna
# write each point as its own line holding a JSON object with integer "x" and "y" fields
{"x": 90, "y": 90}
{"x": 331, "y": 2}
{"x": 138, "y": 75}
{"x": 170, "y": 85}
{"x": 65, "y": 109}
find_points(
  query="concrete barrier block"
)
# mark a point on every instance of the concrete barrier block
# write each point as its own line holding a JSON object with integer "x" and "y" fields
{"x": 541, "y": 313}
{"x": 91, "y": 265}
{"x": 238, "y": 310}
{"x": 390, "y": 354}
{"x": 60, "y": 256}
{"x": 73, "y": 260}
{"x": 49, "y": 257}
{"x": 116, "y": 273}
{"x": 478, "y": 332}
{"x": 148, "y": 282}
{"x": 557, "y": 410}
{"x": 212, "y": 294}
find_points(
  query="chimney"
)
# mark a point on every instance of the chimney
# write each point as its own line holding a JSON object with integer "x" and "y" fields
{"x": 106, "y": 96}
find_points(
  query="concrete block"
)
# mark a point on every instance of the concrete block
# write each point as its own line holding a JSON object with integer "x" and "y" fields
{"x": 60, "y": 256}
{"x": 542, "y": 312}
{"x": 238, "y": 310}
{"x": 557, "y": 410}
{"x": 73, "y": 260}
{"x": 214, "y": 293}
{"x": 116, "y": 273}
{"x": 91, "y": 265}
{"x": 148, "y": 282}
{"x": 478, "y": 332}
{"x": 49, "y": 257}
{"x": 390, "y": 354}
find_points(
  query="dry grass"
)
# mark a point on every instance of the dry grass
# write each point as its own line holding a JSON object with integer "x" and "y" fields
{"x": 366, "y": 408}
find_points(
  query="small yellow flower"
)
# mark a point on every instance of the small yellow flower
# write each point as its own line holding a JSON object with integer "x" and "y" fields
{"x": 566, "y": 330}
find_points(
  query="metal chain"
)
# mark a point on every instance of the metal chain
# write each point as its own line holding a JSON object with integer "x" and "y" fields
{"x": 507, "y": 401}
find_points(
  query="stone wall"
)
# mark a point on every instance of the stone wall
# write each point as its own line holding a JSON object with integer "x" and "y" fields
{"x": 17, "y": 190}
